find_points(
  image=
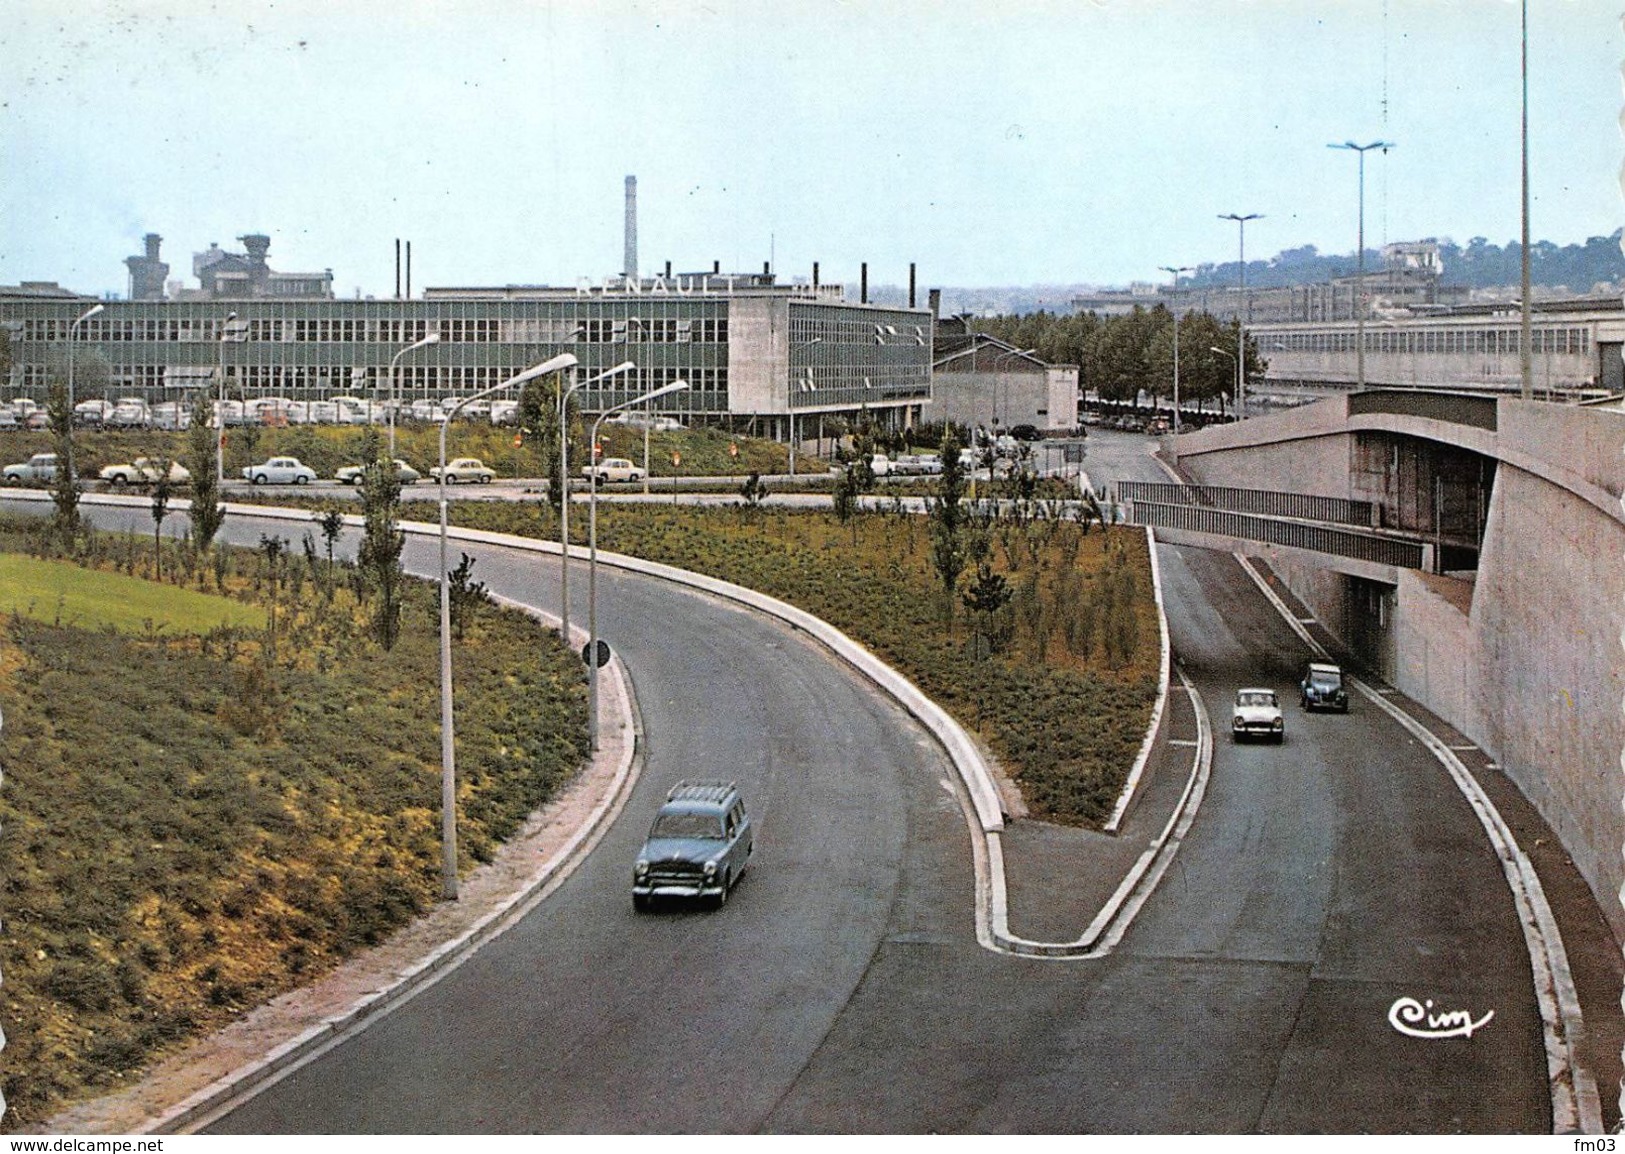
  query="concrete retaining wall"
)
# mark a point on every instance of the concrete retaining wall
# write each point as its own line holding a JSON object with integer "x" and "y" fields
{"x": 1533, "y": 671}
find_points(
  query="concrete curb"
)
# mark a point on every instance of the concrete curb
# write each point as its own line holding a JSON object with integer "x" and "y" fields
{"x": 1114, "y": 918}
{"x": 1131, "y": 786}
{"x": 1576, "y": 1108}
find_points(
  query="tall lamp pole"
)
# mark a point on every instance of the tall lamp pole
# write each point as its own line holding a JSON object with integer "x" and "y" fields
{"x": 1168, "y": 268}
{"x": 394, "y": 395}
{"x": 1359, "y": 275}
{"x": 448, "y": 748}
{"x": 1241, "y": 320}
{"x": 564, "y": 494}
{"x": 1525, "y": 364}
{"x": 72, "y": 332}
{"x": 592, "y": 563}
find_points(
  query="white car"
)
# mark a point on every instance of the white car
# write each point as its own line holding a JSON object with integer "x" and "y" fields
{"x": 612, "y": 469}
{"x": 465, "y": 469}
{"x": 1257, "y": 714}
{"x": 352, "y": 474}
{"x": 40, "y": 467}
{"x": 144, "y": 471}
{"x": 280, "y": 471}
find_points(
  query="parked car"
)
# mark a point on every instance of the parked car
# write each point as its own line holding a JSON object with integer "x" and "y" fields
{"x": 37, "y": 419}
{"x": 280, "y": 471}
{"x": 352, "y": 474}
{"x": 92, "y": 413}
{"x": 465, "y": 469}
{"x": 1026, "y": 433}
{"x": 129, "y": 413}
{"x": 880, "y": 465}
{"x": 39, "y": 468}
{"x": 171, "y": 415}
{"x": 612, "y": 469}
{"x": 1257, "y": 714}
{"x": 654, "y": 422}
{"x": 698, "y": 846}
{"x": 1322, "y": 687}
{"x": 8, "y": 419}
{"x": 144, "y": 471}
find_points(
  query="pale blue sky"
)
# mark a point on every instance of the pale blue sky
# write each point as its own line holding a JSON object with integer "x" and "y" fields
{"x": 993, "y": 143}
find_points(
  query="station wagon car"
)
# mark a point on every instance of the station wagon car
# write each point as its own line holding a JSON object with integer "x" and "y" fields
{"x": 1257, "y": 714}
{"x": 355, "y": 474}
{"x": 697, "y": 847}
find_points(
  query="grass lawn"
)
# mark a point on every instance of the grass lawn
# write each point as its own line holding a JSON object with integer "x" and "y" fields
{"x": 66, "y": 594}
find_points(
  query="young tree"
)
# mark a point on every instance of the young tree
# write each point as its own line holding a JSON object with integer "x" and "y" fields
{"x": 948, "y": 519}
{"x": 382, "y": 541}
{"x": 331, "y": 524}
{"x": 465, "y": 595}
{"x": 160, "y": 510}
{"x": 65, "y": 489}
{"x": 207, "y": 513}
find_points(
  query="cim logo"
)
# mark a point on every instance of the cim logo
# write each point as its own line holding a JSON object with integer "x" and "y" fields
{"x": 1417, "y": 1020}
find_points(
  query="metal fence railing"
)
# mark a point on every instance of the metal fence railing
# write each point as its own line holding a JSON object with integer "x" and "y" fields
{"x": 1338, "y": 542}
{"x": 1266, "y": 502}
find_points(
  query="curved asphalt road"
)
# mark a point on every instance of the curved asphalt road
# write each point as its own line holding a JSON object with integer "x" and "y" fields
{"x": 842, "y": 989}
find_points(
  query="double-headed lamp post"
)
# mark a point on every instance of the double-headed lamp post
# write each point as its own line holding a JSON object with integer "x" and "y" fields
{"x": 448, "y": 749}
{"x": 220, "y": 402}
{"x": 1359, "y": 265}
{"x": 564, "y": 491}
{"x": 592, "y": 559}
{"x": 394, "y": 394}
{"x": 1168, "y": 268}
{"x": 72, "y": 332}
{"x": 1241, "y": 307}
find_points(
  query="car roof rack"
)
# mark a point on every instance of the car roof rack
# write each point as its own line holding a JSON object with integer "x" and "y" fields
{"x": 715, "y": 792}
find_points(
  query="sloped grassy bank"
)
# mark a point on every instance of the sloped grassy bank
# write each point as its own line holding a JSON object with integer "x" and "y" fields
{"x": 197, "y": 819}
{"x": 1063, "y": 698}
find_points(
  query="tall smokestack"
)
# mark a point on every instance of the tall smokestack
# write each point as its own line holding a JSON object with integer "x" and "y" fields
{"x": 631, "y": 261}
{"x": 408, "y": 270}
{"x": 397, "y": 268}
{"x": 863, "y": 291}
{"x": 910, "y": 284}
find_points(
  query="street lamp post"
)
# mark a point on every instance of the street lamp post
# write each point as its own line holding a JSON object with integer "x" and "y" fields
{"x": 394, "y": 395}
{"x": 1359, "y": 275}
{"x": 998, "y": 389}
{"x": 592, "y": 562}
{"x": 564, "y": 493}
{"x": 1224, "y": 353}
{"x": 1176, "y": 271}
{"x": 1241, "y": 319}
{"x": 227, "y": 332}
{"x": 72, "y": 331}
{"x": 448, "y": 753}
{"x": 1526, "y": 371}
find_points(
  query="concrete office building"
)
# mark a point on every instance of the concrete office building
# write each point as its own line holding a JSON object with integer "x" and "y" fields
{"x": 754, "y": 352}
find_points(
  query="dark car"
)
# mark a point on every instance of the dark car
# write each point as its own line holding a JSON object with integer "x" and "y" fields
{"x": 1026, "y": 433}
{"x": 1322, "y": 687}
{"x": 697, "y": 847}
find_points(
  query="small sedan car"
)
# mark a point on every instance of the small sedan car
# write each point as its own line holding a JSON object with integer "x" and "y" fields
{"x": 280, "y": 471}
{"x": 1257, "y": 714}
{"x": 612, "y": 469}
{"x": 351, "y": 474}
{"x": 465, "y": 469}
{"x": 698, "y": 847}
{"x": 1322, "y": 687}
{"x": 144, "y": 471}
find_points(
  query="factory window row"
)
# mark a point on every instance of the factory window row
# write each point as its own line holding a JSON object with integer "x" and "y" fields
{"x": 1487, "y": 341}
{"x": 805, "y": 331}
{"x": 452, "y": 330}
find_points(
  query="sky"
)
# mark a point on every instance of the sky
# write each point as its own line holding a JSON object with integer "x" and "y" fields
{"x": 1000, "y": 142}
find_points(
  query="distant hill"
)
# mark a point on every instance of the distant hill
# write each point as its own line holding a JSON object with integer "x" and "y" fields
{"x": 1576, "y": 269}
